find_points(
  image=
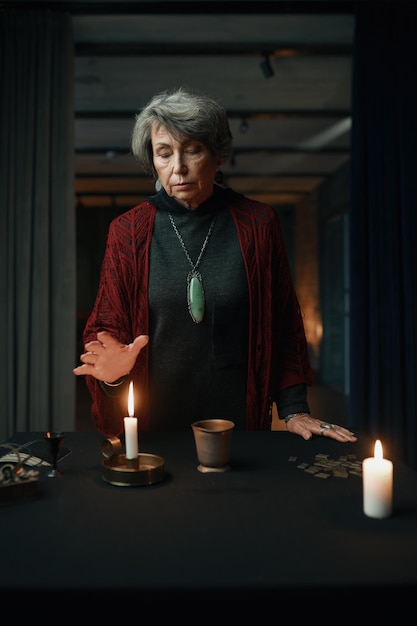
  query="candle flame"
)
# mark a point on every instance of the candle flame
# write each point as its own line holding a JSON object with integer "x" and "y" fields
{"x": 131, "y": 401}
{"x": 378, "y": 450}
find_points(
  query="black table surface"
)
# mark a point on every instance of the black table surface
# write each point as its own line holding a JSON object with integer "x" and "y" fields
{"x": 264, "y": 525}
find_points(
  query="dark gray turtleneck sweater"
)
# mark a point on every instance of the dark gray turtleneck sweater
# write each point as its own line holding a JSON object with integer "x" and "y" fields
{"x": 197, "y": 370}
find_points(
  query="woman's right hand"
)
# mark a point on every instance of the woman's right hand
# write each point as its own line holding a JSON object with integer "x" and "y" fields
{"x": 107, "y": 359}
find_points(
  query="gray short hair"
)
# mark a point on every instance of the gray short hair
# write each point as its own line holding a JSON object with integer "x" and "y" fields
{"x": 182, "y": 112}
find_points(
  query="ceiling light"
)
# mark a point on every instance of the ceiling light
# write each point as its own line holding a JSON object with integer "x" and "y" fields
{"x": 244, "y": 127}
{"x": 266, "y": 67}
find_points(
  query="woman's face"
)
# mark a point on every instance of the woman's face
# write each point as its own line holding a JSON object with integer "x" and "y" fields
{"x": 185, "y": 167}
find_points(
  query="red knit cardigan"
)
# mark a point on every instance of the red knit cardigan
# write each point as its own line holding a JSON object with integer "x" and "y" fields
{"x": 277, "y": 352}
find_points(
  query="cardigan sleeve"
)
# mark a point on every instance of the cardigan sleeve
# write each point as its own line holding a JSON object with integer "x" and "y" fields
{"x": 121, "y": 309}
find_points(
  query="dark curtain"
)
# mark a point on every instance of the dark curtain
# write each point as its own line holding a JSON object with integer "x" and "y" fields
{"x": 383, "y": 233}
{"x": 37, "y": 222}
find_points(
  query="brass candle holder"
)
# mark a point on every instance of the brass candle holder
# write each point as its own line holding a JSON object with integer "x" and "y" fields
{"x": 146, "y": 469}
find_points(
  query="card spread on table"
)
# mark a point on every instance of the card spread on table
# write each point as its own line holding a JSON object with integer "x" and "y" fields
{"x": 325, "y": 467}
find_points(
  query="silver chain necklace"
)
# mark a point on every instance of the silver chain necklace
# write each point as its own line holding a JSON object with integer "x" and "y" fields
{"x": 195, "y": 291}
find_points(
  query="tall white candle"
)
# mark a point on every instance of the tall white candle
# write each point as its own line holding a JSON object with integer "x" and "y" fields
{"x": 377, "y": 479}
{"x": 131, "y": 427}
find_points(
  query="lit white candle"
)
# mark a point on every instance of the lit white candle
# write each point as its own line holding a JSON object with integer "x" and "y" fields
{"x": 377, "y": 479}
{"x": 131, "y": 427}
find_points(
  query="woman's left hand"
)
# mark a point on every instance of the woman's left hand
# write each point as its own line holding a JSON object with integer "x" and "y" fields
{"x": 307, "y": 426}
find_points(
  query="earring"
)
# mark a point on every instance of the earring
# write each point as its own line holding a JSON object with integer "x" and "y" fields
{"x": 158, "y": 185}
{"x": 218, "y": 178}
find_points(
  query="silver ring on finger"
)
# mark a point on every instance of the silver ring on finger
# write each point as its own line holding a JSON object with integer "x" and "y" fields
{"x": 324, "y": 426}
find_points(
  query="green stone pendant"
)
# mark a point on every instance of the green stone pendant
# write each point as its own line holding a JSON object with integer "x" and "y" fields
{"x": 195, "y": 296}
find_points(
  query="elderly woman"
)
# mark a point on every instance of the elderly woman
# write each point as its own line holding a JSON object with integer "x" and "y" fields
{"x": 196, "y": 303}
